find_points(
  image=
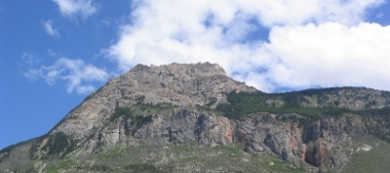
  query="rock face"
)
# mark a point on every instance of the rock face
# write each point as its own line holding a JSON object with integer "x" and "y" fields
{"x": 175, "y": 105}
{"x": 324, "y": 136}
{"x": 282, "y": 139}
{"x": 186, "y": 127}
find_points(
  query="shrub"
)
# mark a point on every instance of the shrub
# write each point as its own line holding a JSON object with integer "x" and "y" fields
{"x": 128, "y": 113}
{"x": 59, "y": 144}
{"x": 122, "y": 111}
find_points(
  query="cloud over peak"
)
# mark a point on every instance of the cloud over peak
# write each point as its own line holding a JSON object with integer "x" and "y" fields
{"x": 311, "y": 43}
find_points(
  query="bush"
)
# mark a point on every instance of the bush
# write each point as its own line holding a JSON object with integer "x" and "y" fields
{"x": 59, "y": 144}
{"x": 127, "y": 113}
{"x": 120, "y": 111}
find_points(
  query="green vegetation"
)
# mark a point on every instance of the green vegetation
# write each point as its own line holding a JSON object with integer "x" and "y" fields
{"x": 140, "y": 100}
{"x": 61, "y": 164}
{"x": 5, "y": 151}
{"x": 373, "y": 160}
{"x": 59, "y": 144}
{"x": 383, "y": 113}
{"x": 230, "y": 158}
{"x": 111, "y": 153}
{"x": 98, "y": 168}
{"x": 277, "y": 165}
{"x": 212, "y": 101}
{"x": 243, "y": 103}
{"x": 156, "y": 108}
{"x": 233, "y": 150}
{"x": 381, "y": 117}
{"x": 142, "y": 168}
{"x": 142, "y": 113}
{"x": 11, "y": 147}
{"x": 128, "y": 113}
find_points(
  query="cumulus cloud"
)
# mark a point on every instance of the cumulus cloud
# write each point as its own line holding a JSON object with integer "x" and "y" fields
{"x": 48, "y": 25}
{"x": 76, "y": 73}
{"x": 311, "y": 43}
{"x": 331, "y": 54}
{"x": 85, "y": 8}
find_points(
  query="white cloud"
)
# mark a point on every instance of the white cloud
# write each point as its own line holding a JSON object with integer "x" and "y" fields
{"x": 287, "y": 12}
{"x": 75, "y": 73}
{"x": 312, "y": 42}
{"x": 332, "y": 54}
{"x": 74, "y": 7}
{"x": 49, "y": 29}
{"x": 31, "y": 58}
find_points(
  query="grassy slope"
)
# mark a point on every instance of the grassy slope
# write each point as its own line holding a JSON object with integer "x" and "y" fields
{"x": 376, "y": 160}
{"x": 229, "y": 158}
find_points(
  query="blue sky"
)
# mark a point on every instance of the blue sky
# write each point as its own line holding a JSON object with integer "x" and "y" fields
{"x": 55, "y": 52}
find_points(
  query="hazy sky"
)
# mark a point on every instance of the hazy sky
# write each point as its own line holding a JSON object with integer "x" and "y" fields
{"x": 55, "y": 52}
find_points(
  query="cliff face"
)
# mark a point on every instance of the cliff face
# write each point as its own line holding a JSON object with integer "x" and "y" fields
{"x": 187, "y": 105}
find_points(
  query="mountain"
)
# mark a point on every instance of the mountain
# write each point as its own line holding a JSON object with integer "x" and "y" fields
{"x": 195, "y": 118}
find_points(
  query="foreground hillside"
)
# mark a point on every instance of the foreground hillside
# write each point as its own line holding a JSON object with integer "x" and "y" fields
{"x": 195, "y": 118}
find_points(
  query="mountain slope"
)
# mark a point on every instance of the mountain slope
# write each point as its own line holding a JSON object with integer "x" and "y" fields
{"x": 193, "y": 117}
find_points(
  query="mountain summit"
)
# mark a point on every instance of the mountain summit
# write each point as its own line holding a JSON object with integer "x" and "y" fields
{"x": 195, "y": 118}
{"x": 174, "y": 85}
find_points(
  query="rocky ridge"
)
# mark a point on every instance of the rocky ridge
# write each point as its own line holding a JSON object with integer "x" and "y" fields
{"x": 180, "y": 105}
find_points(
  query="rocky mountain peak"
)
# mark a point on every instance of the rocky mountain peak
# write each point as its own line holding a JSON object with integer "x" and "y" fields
{"x": 179, "y": 84}
{"x": 183, "y": 70}
{"x": 174, "y": 84}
